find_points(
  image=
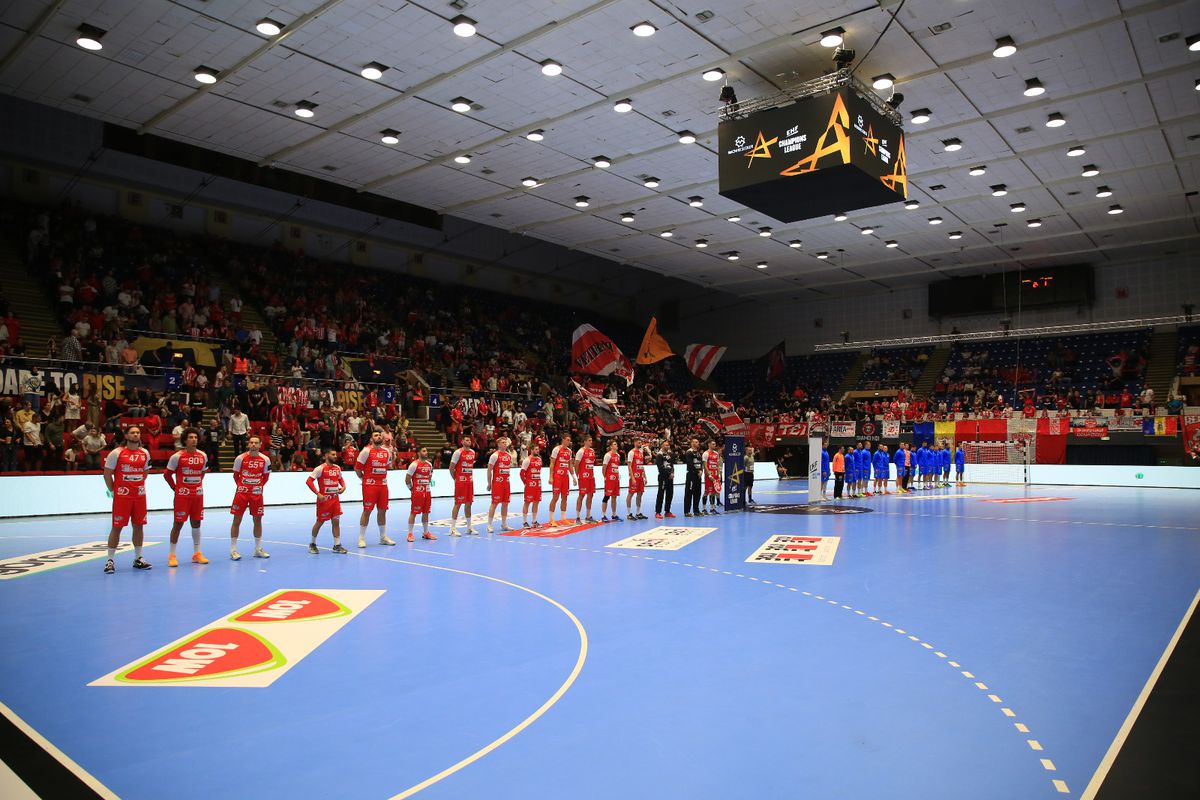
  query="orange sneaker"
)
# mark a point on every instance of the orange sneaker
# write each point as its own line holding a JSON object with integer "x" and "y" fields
{"x": 410, "y": 537}
{"x": 172, "y": 561}
{"x": 198, "y": 558}
{"x": 429, "y": 536}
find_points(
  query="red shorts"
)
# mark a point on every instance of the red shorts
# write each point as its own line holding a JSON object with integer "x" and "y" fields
{"x": 464, "y": 492}
{"x": 421, "y": 501}
{"x": 561, "y": 484}
{"x": 128, "y": 508}
{"x": 612, "y": 487}
{"x": 587, "y": 486}
{"x": 189, "y": 505}
{"x": 533, "y": 492}
{"x": 329, "y": 509}
{"x": 244, "y": 500}
{"x": 501, "y": 491}
{"x": 711, "y": 486}
{"x": 637, "y": 483}
{"x": 375, "y": 496}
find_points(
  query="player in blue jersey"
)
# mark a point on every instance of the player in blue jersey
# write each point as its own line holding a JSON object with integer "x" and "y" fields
{"x": 865, "y": 459}
{"x": 960, "y": 463}
{"x": 825, "y": 471}
{"x": 923, "y": 465}
{"x": 882, "y": 469}
{"x": 851, "y": 471}
{"x": 901, "y": 460}
{"x": 947, "y": 458}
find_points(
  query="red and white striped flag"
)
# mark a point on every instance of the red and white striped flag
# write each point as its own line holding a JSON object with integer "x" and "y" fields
{"x": 730, "y": 419}
{"x": 701, "y": 358}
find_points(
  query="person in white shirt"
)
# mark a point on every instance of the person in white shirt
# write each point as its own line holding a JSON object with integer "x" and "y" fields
{"x": 239, "y": 428}
{"x": 93, "y": 444}
{"x": 72, "y": 405}
{"x": 177, "y": 435}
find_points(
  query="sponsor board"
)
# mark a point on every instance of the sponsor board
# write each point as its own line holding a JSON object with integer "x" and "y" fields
{"x": 806, "y": 508}
{"x": 551, "y": 530}
{"x": 1026, "y": 499}
{"x": 251, "y": 648}
{"x": 662, "y": 538}
{"x": 816, "y": 551}
{"x": 20, "y": 566}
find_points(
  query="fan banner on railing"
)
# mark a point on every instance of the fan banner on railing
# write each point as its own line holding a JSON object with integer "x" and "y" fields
{"x": 891, "y": 429}
{"x": 730, "y": 419}
{"x": 1191, "y": 434}
{"x": 760, "y": 435}
{"x": 593, "y": 353}
{"x": 841, "y": 430}
{"x": 922, "y": 432}
{"x": 1160, "y": 426}
{"x": 993, "y": 430}
{"x": 944, "y": 431}
{"x": 1089, "y": 428}
{"x": 604, "y": 412}
{"x": 869, "y": 430}
{"x": 1053, "y": 426}
{"x": 1127, "y": 423}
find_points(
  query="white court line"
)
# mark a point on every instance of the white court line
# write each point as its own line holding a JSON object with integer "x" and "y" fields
{"x": 434, "y": 552}
{"x": 1043, "y": 521}
{"x": 1123, "y": 733}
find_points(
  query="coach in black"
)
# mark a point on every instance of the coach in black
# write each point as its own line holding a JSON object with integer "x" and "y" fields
{"x": 664, "y": 459}
{"x": 694, "y": 462}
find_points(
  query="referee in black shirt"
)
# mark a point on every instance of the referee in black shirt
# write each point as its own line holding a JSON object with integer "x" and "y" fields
{"x": 691, "y": 488}
{"x": 665, "y": 462}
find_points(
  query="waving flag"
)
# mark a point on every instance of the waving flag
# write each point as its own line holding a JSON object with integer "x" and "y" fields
{"x": 730, "y": 419}
{"x": 654, "y": 347}
{"x": 593, "y": 353}
{"x": 701, "y": 358}
{"x": 774, "y": 362}
{"x": 604, "y": 412}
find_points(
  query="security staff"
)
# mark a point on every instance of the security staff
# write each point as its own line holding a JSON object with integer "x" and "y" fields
{"x": 694, "y": 461}
{"x": 665, "y": 461}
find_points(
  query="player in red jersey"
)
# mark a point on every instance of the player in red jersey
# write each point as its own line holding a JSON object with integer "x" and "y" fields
{"x": 419, "y": 480}
{"x": 185, "y": 475}
{"x": 562, "y": 475}
{"x": 585, "y": 462}
{"x": 125, "y": 476}
{"x": 251, "y": 471}
{"x": 372, "y": 469}
{"x": 712, "y": 476}
{"x": 531, "y": 476}
{"x": 612, "y": 481}
{"x": 498, "y": 484}
{"x": 462, "y": 469}
{"x": 327, "y": 483}
{"x": 637, "y": 478}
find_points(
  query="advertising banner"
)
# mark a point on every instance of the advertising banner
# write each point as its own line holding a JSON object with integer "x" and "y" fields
{"x": 1089, "y": 428}
{"x": 735, "y": 473}
{"x": 110, "y": 386}
{"x": 842, "y": 430}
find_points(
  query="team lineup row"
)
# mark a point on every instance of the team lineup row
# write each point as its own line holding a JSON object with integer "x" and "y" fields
{"x": 127, "y": 467}
{"x": 923, "y": 467}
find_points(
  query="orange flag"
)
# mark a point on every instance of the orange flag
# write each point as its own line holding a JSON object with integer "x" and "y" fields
{"x": 654, "y": 347}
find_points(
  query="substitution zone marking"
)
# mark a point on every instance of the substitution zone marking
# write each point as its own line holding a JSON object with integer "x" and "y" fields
{"x": 20, "y": 566}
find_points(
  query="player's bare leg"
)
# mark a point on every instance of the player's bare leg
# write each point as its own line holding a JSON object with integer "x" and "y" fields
{"x": 467, "y": 519}
{"x": 381, "y": 519}
{"x": 234, "y": 555}
{"x": 258, "y": 548}
{"x": 454, "y": 519}
{"x": 363, "y": 520}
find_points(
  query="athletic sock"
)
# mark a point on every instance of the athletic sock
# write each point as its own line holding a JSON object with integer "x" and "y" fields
{"x": 382, "y": 530}
{"x": 196, "y": 539}
{"x": 362, "y": 531}
{"x": 112, "y": 551}
{"x": 337, "y": 539}
{"x": 137, "y": 551}
{"x": 173, "y": 548}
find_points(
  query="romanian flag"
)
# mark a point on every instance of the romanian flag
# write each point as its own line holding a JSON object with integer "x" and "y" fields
{"x": 1160, "y": 426}
{"x": 654, "y": 347}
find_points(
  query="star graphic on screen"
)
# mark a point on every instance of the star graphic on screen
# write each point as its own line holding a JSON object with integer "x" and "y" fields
{"x": 871, "y": 141}
{"x": 762, "y": 149}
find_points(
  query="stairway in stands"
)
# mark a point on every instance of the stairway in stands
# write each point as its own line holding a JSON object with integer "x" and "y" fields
{"x": 252, "y": 316}
{"x": 1162, "y": 363}
{"x": 427, "y": 434}
{"x": 853, "y": 375}
{"x": 933, "y": 371}
{"x": 29, "y": 301}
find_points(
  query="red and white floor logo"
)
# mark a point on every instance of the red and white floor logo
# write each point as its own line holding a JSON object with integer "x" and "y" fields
{"x": 254, "y": 646}
{"x": 812, "y": 550}
{"x": 551, "y": 531}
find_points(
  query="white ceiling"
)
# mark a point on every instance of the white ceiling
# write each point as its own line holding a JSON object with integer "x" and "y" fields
{"x": 1127, "y": 96}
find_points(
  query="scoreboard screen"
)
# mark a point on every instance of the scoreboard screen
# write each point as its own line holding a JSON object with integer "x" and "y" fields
{"x": 1001, "y": 292}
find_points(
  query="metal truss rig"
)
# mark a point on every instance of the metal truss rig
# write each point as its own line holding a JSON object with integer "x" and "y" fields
{"x": 810, "y": 88}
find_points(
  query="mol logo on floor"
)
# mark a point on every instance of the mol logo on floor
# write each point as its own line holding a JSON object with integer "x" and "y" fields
{"x": 251, "y": 648}
{"x": 810, "y": 550}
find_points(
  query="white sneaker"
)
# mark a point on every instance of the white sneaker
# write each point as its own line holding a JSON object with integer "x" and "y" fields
{"x": 362, "y": 541}
{"x": 472, "y": 532}
{"x": 385, "y": 539}
{"x": 260, "y": 553}
{"x": 454, "y": 532}
{"x": 234, "y": 555}
{"x": 504, "y": 527}
{"x": 489, "y": 529}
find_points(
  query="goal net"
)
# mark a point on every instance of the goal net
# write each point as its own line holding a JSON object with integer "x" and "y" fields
{"x": 1000, "y": 462}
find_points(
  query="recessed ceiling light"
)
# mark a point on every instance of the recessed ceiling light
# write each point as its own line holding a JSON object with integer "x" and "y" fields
{"x": 390, "y": 136}
{"x": 921, "y": 116}
{"x": 1034, "y": 223}
{"x": 1076, "y": 150}
{"x": 955, "y": 235}
{"x": 603, "y": 162}
{"x": 650, "y": 183}
{"x": 795, "y": 243}
{"x": 1103, "y": 191}
{"x": 833, "y": 37}
{"x": 644, "y": 29}
{"x": 1055, "y": 120}
{"x": 89, "y": 37}
{"x": 529, "y": 182}
{"x": 839, "y": 217}
{"x": 460, "y": 104}
{"x": 761, "y": 265}
{"x": 373, "y": 71}
{"x": 891, "y": 243}
{"x": 999, "y": 190}
{"x": 627, "y": 216}
{"x": 714, "y": 74}
{"x": 463, "y": 26}
{"x": 1090, "y": 171}
{"x": 951, "y": 145}
{"x": 702, "y": 243}
{"x": 911, "y": 205}
{"x": 822, "y": 256}
{"x": 696, "y": 201}
{"x": 1017, "y": 208}
{"x": 734, "y": 218}
{"x": 732, "y": 255}
{"x": 582, "y": 201}
{"x": 623, "y": 106}
{"x": 1005, "y": 47}
{"x": 551, "y": 68}
{"x": 1116, "y": 210}
{"x": 536, "y": 136}
{"x": 1193, "y": 42}
{"x": 268, "y": 27}
{"x": 764, "y": 232}
{"x": 1033, "y": 87}
{"x": 935, "y": 220}
{"x": 463, "y": 158}
{"x": 975, "y": 172}
{"x": 867, "y": 231}
{"x": 305, "y": 109}
{"x": 665, "y": 234}
{"x": 206, "y": 75}
{"x": 885, "y": 81}
{"x": 687, "y": 137}
{"x": 1198, "y": 84}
